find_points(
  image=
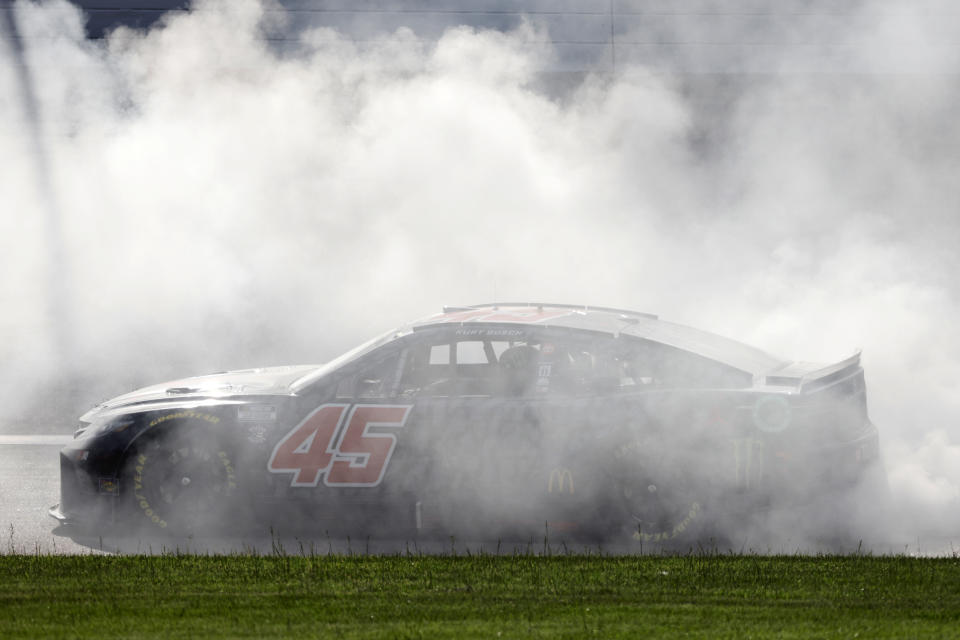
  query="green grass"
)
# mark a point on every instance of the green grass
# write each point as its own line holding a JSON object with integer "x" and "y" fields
{"x": 696, "y": 596}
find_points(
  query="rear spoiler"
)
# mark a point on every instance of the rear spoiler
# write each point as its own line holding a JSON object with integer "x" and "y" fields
{"x": 808, "y": 378}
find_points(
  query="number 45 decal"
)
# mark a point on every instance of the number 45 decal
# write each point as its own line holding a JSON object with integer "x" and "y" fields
{"x": 357, "y": 458}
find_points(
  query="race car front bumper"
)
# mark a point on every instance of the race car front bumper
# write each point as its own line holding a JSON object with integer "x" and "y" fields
{"x": 89, "y": 489}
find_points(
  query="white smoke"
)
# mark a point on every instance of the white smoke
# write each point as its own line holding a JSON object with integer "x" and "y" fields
{"x": 222, "y": 204}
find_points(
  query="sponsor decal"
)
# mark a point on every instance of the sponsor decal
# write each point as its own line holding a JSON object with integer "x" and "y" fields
{"x": 257, "y": 413}
{"x": 747, "y": 462}
{"x": 337, "y": 443}
{"x": 109, "y": 486}
{"x": 185, "y": 415}
{"x": 489, "y": 333}
{"x": 562, "y": 479}
{"x": 257, "y": 434}
{"x": 630, "y": 448}
{"x": 543, "y": 377}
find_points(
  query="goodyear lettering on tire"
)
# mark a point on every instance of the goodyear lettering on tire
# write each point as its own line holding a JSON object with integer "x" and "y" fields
{"x": 185, "y": 415}
{"x": 679, "y": 528}
{"x": 228, "y": 468}
{"x": 140, "y": 499}
{"x": 631, "y": 449}
{"x": 143, "y": 503}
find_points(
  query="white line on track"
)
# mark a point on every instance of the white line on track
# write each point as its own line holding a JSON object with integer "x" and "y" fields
{"x": 35, "y": 440}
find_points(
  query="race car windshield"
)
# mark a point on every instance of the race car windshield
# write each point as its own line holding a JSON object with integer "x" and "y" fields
{"x": 336, "y": 363}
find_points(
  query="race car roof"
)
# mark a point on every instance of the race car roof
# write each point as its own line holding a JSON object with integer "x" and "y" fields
{"x": 613, "y": 321}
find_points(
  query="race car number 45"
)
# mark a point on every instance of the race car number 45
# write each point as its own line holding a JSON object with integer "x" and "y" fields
{"x": 335, "y": 443}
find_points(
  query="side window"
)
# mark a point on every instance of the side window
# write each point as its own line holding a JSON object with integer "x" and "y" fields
{"x": 609, "y": 365}
{"x": 427, "y": 369}
{"x": 376, "y": 379}
{"x": 439, "y": 354}
{"x": 665, "y": 366}
{"x": 482, "y": 362}
{"x": 473, "y": 365}
{"x": 584, "y": 365}
{"x": 475, "y": 352}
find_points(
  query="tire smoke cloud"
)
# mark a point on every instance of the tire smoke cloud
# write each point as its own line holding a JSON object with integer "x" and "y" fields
{"x": 226, "y": 204}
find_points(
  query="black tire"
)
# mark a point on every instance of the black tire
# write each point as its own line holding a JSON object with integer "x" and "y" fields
{"x": 180, "y": 482}
{"x": 657, "y": 499}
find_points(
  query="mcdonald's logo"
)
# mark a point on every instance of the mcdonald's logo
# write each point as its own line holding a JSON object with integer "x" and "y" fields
{"x": 560, "y": 478}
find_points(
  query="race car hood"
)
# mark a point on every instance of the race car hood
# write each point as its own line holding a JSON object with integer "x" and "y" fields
{"x": 244, "y": 382}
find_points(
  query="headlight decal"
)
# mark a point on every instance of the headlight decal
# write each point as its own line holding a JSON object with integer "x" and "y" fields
{"x": 771, "y": 414}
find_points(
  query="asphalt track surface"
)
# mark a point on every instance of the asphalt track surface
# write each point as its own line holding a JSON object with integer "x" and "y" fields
{"x": 30, "y": 485}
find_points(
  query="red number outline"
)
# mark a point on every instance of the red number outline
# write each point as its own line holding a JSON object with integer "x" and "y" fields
{"x": 358, "y": 459}
{"x": 354, "y": 464}
{"x": 287, "y": 456}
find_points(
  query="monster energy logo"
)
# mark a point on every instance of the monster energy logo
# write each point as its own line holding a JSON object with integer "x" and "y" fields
{"x": 560, "y": 478}
{"x": 747, "y": 462}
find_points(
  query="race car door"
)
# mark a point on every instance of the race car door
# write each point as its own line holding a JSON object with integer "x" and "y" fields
{"x": 476, "y": 446}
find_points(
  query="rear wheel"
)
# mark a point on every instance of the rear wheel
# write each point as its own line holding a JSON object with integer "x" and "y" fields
{"x": 658, "y": 509}
{"x": 181, "y": 482}
{"x": 658, "y": 499}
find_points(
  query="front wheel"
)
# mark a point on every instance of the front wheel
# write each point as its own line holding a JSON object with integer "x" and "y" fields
{"x": 180, "y": 482}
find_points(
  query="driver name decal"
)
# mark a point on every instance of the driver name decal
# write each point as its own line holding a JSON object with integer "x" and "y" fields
{"x": 336, "y": 443}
